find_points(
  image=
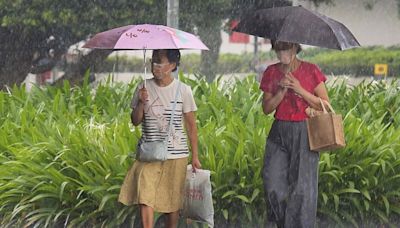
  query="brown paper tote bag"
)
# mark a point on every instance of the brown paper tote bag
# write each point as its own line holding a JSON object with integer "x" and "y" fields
{"x": 325, "y": 131}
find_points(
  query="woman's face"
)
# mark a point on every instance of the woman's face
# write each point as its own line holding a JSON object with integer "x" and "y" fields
{"x": 160, "y": 66}
{"x": 285, "y": 52}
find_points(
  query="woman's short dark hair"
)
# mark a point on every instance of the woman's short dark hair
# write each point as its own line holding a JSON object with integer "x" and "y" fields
{"x": 174, "y": 56}
{"x": 298, "y": 46}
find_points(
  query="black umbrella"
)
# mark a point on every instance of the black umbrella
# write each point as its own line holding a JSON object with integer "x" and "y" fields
{"x": 298, "y": 25}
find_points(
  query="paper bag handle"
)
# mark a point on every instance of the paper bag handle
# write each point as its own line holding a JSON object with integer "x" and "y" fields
{"x": 323, "y": 106}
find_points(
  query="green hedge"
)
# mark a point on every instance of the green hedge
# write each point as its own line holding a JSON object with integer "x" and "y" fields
{"x": 122, "y": 63}
{"x": 358, "y": 61}
{"x": 190, "y": 63}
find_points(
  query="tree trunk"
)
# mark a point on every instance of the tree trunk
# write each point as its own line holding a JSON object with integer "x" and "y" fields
{"x": 211, "y": 35}
{"x": 15, "y": 58}
{"x": 16, "y": 68}
{"x": 75, "y": 72}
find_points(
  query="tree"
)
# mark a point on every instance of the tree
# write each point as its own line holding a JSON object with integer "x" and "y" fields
{"x": 25, "y": 27}
{"x": 206, "y": 17}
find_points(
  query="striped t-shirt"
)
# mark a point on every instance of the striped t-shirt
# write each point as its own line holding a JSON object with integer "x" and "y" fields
{"x": 158, "y": 111}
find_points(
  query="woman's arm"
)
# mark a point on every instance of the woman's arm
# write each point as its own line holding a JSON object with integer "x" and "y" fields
{"x": 138, "y": 112}
{"x": 191, "y": 129}
{"x": 312, "y": 100}
{"x": 270, "y": 101}
{"x": 320, "y": 92}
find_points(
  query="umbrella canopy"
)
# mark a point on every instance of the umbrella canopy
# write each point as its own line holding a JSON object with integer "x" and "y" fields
{"x": 298, "y": 25}
{"x": 145, "y": 37}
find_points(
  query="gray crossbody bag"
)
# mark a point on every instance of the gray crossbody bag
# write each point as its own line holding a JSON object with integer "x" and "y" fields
{"x": 153, "y": 151}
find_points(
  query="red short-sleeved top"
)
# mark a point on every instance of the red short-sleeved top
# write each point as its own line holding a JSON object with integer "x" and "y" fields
{"x": 292, "y": 107}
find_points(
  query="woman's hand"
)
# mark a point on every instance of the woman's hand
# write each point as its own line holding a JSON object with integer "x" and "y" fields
{"x": 143, "y": 95}
{"x": 195, "y": 164}
{"x": 294, "y": 84}
{"x": 283, "y": 85}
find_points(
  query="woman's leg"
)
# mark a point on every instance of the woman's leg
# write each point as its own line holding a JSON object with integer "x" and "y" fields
{"x": 301, "y": 208}
{"x": 172, "y": 219}
{"x": 275, "y": 175}
{"x": 147, "y": 215}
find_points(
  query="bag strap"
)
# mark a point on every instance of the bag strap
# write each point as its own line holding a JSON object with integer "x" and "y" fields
{"x": 173, "y": 109}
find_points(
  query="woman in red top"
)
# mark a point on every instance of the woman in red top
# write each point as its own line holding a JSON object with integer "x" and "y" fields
{"x": 290, "y": 171}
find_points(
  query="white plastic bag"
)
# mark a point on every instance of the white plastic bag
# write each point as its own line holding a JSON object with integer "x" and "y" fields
{"x": 198, "y": 204}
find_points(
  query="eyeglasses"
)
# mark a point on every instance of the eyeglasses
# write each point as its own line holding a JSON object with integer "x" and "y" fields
{"x": 159, "y": 65}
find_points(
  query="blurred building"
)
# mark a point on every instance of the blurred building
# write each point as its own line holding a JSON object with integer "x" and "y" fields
{"x": 371, "y": 22}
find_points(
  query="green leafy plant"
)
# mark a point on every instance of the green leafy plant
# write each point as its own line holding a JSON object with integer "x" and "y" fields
{"x": 64, "y": 152}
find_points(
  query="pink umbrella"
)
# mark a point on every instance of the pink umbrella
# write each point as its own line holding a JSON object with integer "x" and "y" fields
{"x": 145, "y": 37}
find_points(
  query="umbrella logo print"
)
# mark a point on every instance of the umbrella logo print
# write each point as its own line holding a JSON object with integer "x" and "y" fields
{"x": 130, "y": 35}
{"x": 133, "y": 35}
{"x": 142, "y": 30}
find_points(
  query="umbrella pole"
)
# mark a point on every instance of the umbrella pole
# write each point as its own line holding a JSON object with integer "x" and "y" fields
{"x": 145, "y": 67}
{"x": 291, "y": 65}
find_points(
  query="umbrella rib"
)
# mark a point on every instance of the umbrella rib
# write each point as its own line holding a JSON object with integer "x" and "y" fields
{"x": 336, "y": 35}
{"x": 327, "y": 20}
{"x": 173, "y": 41}
{"x": 281, "y": 29}
{"x": 330, "y": 27}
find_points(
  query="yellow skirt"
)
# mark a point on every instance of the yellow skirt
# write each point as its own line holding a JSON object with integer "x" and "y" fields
{"x": 159, "y": 185}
